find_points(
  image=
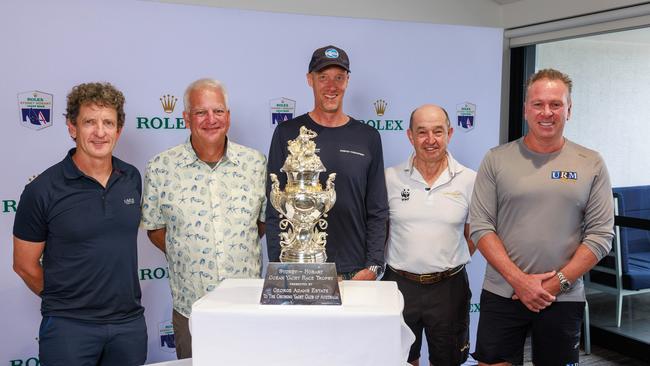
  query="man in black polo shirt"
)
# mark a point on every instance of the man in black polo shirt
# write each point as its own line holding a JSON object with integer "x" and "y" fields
{"x": 81, "y": 216}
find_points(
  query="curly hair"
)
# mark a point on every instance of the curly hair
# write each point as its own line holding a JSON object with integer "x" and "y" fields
{"x": 101, "y": 94}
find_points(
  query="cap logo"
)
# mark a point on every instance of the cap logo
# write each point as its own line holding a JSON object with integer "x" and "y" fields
{"x": 331, "y": 53}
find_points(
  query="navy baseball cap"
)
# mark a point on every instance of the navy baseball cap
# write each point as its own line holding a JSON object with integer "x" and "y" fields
{"x": 328, "y": 56}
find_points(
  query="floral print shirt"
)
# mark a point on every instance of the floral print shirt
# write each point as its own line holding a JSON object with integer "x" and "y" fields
{"x": 210, "y": 215}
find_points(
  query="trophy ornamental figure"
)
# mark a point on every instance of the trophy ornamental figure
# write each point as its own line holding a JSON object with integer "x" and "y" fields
{"x": 303, "y": 205}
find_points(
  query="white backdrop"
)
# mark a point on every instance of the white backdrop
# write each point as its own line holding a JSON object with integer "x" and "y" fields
{"x": 150, "y": 49}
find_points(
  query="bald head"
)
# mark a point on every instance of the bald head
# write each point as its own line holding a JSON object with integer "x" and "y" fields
{"x": 430, "y": 132}
{"x": 429, "y": 111}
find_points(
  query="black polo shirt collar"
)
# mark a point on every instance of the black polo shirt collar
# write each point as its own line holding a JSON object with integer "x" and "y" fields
{"x": 71, "y": 171}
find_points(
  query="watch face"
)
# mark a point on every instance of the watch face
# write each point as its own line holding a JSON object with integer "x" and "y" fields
{"x": 564, "y": 286}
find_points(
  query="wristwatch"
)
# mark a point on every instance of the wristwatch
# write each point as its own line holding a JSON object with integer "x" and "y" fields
{"x": 377, "y": 270}
{"x": 565, "y": 284}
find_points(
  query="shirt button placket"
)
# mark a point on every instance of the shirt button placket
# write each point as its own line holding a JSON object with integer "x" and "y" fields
{"x": 216, "y": 205}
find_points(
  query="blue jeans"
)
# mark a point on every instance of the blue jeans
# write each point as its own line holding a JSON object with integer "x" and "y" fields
{"x": 64, "y": 341}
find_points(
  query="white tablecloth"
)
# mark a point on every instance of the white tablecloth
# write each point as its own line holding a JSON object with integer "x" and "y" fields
{"x": 230, "y": 327}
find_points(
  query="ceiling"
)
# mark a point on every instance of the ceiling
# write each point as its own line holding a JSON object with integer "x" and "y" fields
{"x": 506, "y": 14}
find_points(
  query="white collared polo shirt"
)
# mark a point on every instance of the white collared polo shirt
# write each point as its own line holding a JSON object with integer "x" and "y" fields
{"x": 427, "y": 223}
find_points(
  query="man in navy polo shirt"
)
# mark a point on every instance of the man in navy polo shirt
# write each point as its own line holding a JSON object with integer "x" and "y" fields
{"x": 356, "y": 232}
{"x": 81, "y": 217}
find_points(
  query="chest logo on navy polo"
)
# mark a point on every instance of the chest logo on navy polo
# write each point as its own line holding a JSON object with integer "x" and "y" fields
{"x": 351, "y": 152}
{"x": 406, "y": 194}
{"x": 564, "y": 175}
{"x": 129, "y": 201}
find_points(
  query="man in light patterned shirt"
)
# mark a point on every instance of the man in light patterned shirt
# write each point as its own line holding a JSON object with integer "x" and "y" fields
{"x": 203, "y": 206}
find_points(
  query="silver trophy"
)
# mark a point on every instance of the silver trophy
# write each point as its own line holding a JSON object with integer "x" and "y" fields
{"x": 303, "y": 205}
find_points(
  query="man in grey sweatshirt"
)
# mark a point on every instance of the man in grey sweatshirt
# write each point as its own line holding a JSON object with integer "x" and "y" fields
{"x": 542, "y": 215}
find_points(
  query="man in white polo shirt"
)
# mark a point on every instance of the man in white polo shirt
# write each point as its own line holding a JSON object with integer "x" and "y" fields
{"x": 428, "y": 239}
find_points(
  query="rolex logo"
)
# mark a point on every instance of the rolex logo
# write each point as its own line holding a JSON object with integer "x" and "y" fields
{"x": 168, "y": 103}
{"x": 380, "y": 107}
{"x": 383, "y": 124}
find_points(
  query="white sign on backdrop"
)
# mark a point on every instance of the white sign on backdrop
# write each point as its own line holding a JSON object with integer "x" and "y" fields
{"x": 152, "y": 51}
{"x": 35, "y": 109}
{"x": 466, "y": 113}
{"x": 282, "y": 109}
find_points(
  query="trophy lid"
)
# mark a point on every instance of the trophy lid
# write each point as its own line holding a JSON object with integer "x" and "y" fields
{"x": 302, "y": 154}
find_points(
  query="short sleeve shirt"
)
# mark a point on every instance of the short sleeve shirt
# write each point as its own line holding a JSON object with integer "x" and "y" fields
{"x": 210, "y": 216}
{"x": 426, "y": 231}
{"x": 90, "y": 258}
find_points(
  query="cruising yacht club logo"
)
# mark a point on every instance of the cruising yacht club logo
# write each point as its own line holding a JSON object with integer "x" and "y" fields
{"x": 466, "y": 113}
{"x": 282, "y": 109}
{"x": 35, "y": 109}
{"x": 167, "y": 339}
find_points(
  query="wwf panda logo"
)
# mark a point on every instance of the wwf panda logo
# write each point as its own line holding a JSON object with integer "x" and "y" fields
{"x": 406, "y": 194}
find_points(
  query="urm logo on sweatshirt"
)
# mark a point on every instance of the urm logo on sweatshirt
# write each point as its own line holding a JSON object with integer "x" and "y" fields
{"x": 564, "y": 175}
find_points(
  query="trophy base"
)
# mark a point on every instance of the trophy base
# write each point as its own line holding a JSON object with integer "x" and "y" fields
{"x": 302, "y": 257}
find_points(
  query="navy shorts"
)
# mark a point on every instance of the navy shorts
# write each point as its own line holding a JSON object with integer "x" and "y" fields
{"x": 65, "y": 342}
{"x": 440, "y": 309}
{"x": 504, "y": 324}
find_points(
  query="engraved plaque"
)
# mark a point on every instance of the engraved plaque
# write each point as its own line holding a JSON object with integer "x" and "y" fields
{"x": 301, "y": 284}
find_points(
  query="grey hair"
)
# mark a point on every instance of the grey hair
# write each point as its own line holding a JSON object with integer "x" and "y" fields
{"x": 205, "y": 83}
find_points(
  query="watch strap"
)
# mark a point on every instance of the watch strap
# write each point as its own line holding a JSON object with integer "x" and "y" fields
{"x": 565, "y": 284}
{"x": 377, "y": 270}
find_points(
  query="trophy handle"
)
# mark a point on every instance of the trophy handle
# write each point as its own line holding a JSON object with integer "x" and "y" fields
{"x": 275, "y": 184}
{"x": 329, "y": 189}
{"x": 276, "y": 194}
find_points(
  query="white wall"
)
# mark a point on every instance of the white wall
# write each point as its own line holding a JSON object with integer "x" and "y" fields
{"x": 611, "y": 111}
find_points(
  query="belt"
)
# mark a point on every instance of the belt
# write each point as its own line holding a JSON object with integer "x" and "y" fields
{"x": 428, "y": 278}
